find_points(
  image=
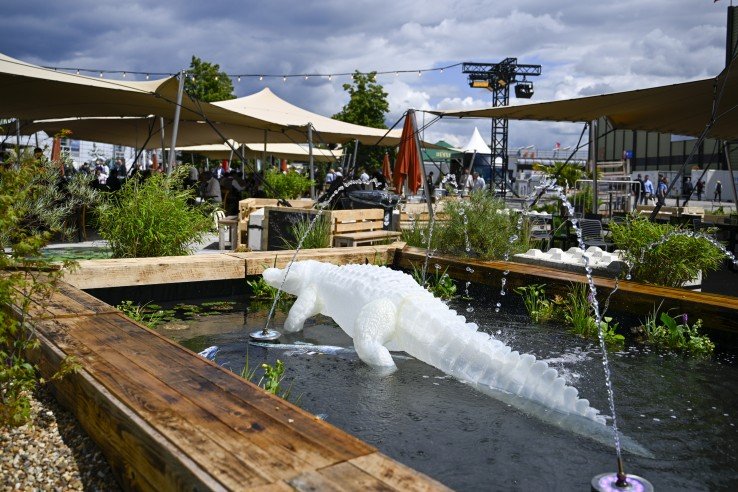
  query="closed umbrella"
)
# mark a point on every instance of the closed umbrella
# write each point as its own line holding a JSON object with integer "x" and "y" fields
{"x": 386, "y": 167}
{"x": 407, "y": 165}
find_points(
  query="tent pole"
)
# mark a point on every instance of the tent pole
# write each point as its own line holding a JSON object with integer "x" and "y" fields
{"x": 356, "y": 151}
{"x": 593, "y": 162}
{"x": 312, "y": 162}
{"x": 264, "y": 155}
{"x": 726, "y": 149}
{"x": 243, "y": 162}
{"x": 17, "y": 141}
{"x": 175, "y": 128}
{"x": 161, "y": 134}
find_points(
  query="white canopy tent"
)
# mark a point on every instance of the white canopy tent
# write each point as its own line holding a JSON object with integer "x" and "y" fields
{"x": 279, "y": 150}
{"x": 476, "y": 144}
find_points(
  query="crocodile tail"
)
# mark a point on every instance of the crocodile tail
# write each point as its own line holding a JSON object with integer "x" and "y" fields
{"x": 446, "y": 341}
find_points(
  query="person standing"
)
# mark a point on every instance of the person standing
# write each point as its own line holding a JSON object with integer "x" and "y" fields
{"x": 699, "y": 188}
{"x": 637, "y": 189}
{"x": 477, "y": 182}
{"x": 719, "y": 191}
{"x": 648, "y": 191}
{"x": 466, "y": 182}
{"x": 661, "y": 191}
{"x": 687, "y": 191}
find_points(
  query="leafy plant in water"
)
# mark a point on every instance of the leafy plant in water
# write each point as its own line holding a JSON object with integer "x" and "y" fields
{"x": 317, "y": 237}
{"x": 539, "y": 308}
{"x": 678, "y": 260}
{"x": 578, "y": 314}
{"x": 440, "y": 284}
{"x": 153, "y": 217}
{"x": 674, "y": 333}
{"x": 150, "y": 315}
{"x": 271, "y": 380}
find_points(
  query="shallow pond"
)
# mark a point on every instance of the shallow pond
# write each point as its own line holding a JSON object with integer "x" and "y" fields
{"x": 682, "y": 409}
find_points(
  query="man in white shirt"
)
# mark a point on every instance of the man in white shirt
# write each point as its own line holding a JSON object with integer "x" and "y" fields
{"x": 477, "y": 182}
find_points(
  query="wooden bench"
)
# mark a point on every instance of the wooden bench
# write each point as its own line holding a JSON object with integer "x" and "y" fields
{"x": 249, "y": 205}
{"x": 360, "y": 227}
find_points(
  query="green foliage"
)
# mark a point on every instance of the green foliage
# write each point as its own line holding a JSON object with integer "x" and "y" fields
{"x": 568, "y": 173}
{"x": 675, "y": 333}
{"x": 578, "y": 314}
{"x": 489, "y": 228}
{"x": 672, "y": 263}
{"x": 539, "y": 308}
{"x": 440, "y": 284}
{"x": 153, "y": 217}
{"x": 286, "y": 185}
{"x": 582, "y": 199}
{"x": 271, "y": 380}
{"x": 367, "y": 106}
{"x": 417, "y": 234}
{"x": 207, "y": 83}
{"x": 25, "y": 278}
{"x": 150, "y": 315}
{"x": 319, "y": 236}
{"x": 263, "y": 295}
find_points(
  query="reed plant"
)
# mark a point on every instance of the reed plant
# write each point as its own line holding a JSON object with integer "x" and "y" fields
{"x": 317, "y": 236}
{"x": 540, "y": 309}
{"x": 154, "y": 217}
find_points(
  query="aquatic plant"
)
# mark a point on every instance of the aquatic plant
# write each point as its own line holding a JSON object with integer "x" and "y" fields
{"x": 539, "y": 308}
{"x": 150, "y": 315}
{"x": 671, "y": 263}
{"x": 674, "y": 333}
{"x": 577, "y": 307}
{"x": 440, "y": 284}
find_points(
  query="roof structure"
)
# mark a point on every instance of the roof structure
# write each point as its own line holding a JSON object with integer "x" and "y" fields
{"x": 290, "y": 151}
{"x": 683, "y": 109}
{"x": 476, "y": 144}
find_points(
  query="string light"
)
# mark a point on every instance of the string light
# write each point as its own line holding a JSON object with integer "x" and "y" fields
{"x": 262, "y": 75}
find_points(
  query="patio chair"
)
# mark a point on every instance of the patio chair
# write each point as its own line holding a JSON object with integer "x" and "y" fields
{"x": 594, "y": 235}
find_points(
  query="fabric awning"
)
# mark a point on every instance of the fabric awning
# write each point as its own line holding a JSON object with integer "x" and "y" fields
{"x": 267, "y": 106}
{"x": 30, "y": 92}
{"x": 290, "y": 151}
{"x": 476, "y": 144}
{"x": 682, "y": 109}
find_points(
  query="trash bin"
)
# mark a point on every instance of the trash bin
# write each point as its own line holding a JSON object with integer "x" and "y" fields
{"x": 375, "y": 199}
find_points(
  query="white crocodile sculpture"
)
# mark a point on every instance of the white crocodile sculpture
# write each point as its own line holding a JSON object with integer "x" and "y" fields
{"x": 385, "y": 310}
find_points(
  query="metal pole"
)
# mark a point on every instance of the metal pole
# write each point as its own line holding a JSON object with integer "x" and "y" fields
{"x": 264, "y": 155}
{"x": 243, "y": 161}
{"x": 161, "y": 135}
{"x": 726, "y": 149}
{"x": 356, "y": 151}
{"x": 593, "y": 162}
{"x": 312, "y": 163}
{"x": 18, "y": 142}
{"x": 175, "y": 128}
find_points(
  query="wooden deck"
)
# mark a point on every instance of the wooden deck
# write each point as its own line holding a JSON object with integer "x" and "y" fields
{"x": 168, "y": 419}
{"x": 719, "y": 312}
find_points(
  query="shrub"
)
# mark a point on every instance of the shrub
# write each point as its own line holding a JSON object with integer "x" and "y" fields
{"x": 417, "y": 234}
{"x": 679, "y": 259}
{"x": 319, "y": 236}
{"x": 488, "y": 225}
{"x": 286, "y": 185}
{"x": 153, "y": 217}
{"x": 25, "y": 277}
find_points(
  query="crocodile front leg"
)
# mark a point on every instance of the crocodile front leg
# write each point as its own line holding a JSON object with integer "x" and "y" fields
{"x": 374, "y": 327}
{"x": 306, "y": 306}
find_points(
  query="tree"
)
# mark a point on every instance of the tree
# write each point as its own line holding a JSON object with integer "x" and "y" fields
{"x": 207, "y": 83}
{"x": 367, "y": 106}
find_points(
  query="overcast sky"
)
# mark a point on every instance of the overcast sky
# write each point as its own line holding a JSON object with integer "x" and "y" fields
{"x": 584, "y": 48}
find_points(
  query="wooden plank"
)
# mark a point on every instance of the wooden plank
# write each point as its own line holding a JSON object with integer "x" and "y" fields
{"x": 357, "y": 214}
{"x": 396, "y": 475}
{"x": 196, "y": 379}
{"x": 631, "y": 297}
{"x": 66, "y": 300}
{"x": 364, "y": 225}
{"x": 340, "y": 477}
{"x": 95, "y": 274}
{"x": 153, "y": 403}
{"x": 358, "y": 236}
{"x": 140, "y": 457}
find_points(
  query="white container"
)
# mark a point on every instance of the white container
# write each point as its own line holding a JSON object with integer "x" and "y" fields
{"x": 256, "y": 219}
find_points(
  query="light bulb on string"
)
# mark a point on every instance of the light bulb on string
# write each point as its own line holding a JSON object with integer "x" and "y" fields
{"x": 216, "y": 78}
{"x": 78, "y": 71}
{"x": 397, "y": 74}
{"x": 284, "y": 78}
{"x": 306, "y": 77}
{"x": 101, "y": 74}
{"x": 261, "y": 77}
{"x": 330, "y": 77}
{"x": 239, "y": 78}
{"x": 441, "y": 70}
{"x": 124, "y": 75}
{"x": 147, "y": 77}
{"x": 420, "y": 73}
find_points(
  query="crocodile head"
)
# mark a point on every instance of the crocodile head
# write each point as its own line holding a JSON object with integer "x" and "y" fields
{"x": 298, "y": 272}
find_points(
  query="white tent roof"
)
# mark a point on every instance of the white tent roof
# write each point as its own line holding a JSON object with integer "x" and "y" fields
{"x": 266, "y": 106}
{"x": 476, "y": 144}
{"x": 290, "y": 151}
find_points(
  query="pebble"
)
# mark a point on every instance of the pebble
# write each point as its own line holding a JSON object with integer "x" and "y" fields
{"x": 51, "y": 452}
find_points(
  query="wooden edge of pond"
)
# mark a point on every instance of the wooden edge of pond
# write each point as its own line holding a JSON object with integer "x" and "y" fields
{"x": 167, "y": 419}
{"x": 719, "y": 312}
{"x": 124, "y": 272}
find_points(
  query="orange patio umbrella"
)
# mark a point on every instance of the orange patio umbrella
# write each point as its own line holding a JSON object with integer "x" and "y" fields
{"x": 56, "y": 153}
{"x": 407, "y": 164}
{"x": 386, "y": 167}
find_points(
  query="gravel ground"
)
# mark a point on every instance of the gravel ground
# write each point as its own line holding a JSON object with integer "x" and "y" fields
{"x": 52, "y": 453}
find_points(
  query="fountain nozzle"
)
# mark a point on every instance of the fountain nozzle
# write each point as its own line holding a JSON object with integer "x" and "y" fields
{"x": 265, "y": 335}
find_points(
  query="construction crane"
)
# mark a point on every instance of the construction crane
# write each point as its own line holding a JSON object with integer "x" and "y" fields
{"x": 497, "y": 78}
